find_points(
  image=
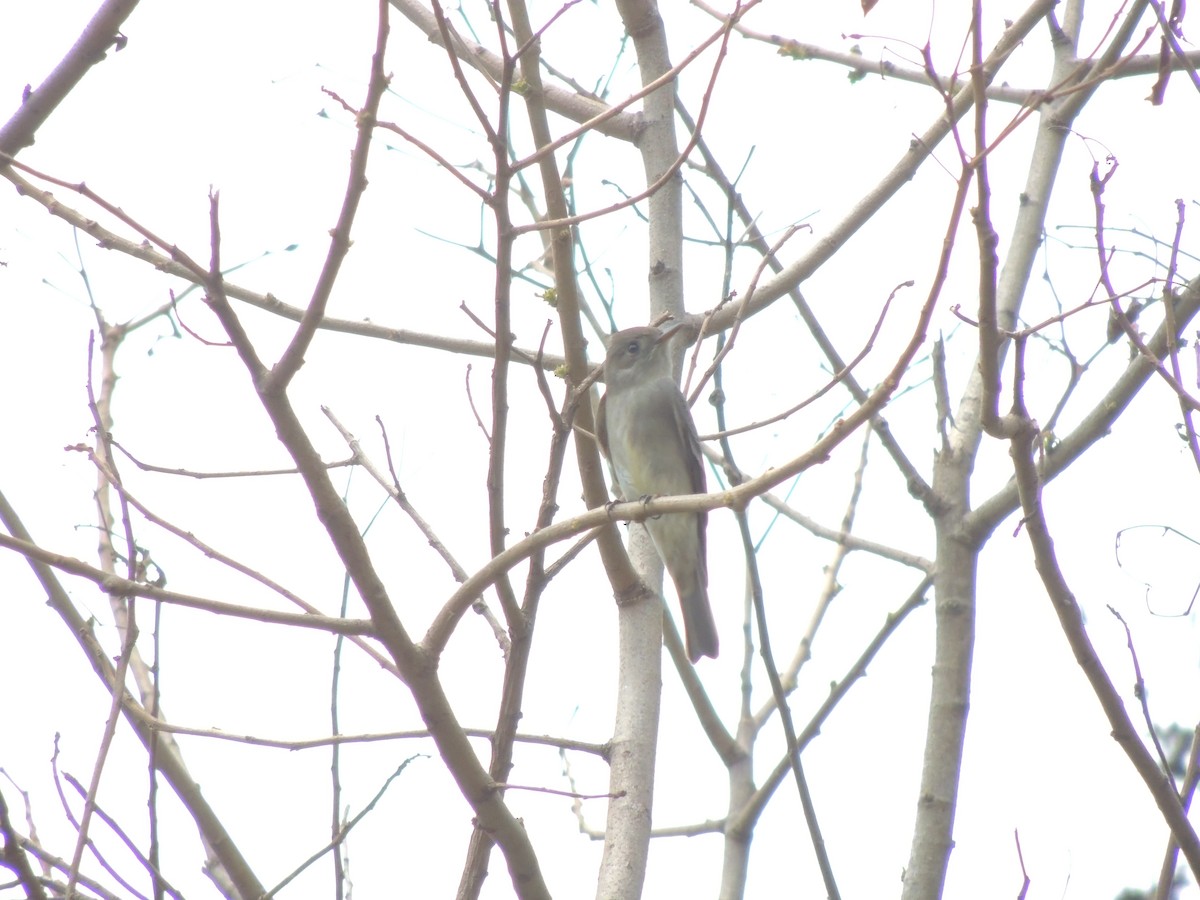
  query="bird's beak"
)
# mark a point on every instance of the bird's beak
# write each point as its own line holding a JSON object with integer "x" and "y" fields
{"x": 670, "y": 332}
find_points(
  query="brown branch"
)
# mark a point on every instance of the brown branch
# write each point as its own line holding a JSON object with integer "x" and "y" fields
{"x": 990, "y": 339}
{"x": 670, "y": 172}
{"x": 1074, "y": 629}
{"x": 1139, "y": 691}
{"x": 830, "y": 588}
{"x": 1093, "y": 426}
{"x": 843, "y": 375}
{"x": 835, "y": 535}
{"x": 520, "y": 618}
{"x": 417, "y": 667}
{"x": 447, "y": 40}
{"x": 572, "y": 105}
{"x": 130, "y": 633}
{"x": 394, "y": 490}
{"x": 1187, "y": 404}
{"x": 1021, "y": 861}
{"x": 859, "y": 64}
{"x": 123, "y": 587}
{"x": 197, "y": 272}
{"x": 251, "y": 740}
{"x": 14, "y": 857}
{"x": 192, "y": 473}
{"x": 916, "y": 484}
{"x": 497, "y": 468}
{"x": 779, "y": 693}
{"x": 1171, "y": 55}
{"x": 647, "y": 89}
{"x": 339, "y": 236}
{"x": 170, "y": 264}
{"x": 90, "y": 48}
{"x": 740, "y": 314}
{"x": 901, "y": 174}
{"x": 125, "y": 839}
{"x": 442, "y": 162}
{"x": 1191, "y": 778}
{"x": 57, "y": 862}
{"x": 471, "y": 403}
{"x": 746, "y": 817}
{"x": 313, "y": 613}
{"x": 343, "y": 832}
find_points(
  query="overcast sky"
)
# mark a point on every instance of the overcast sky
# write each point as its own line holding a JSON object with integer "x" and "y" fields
{"x": 228, "y": 95}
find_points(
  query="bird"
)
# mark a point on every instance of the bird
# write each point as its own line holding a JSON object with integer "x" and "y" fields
{"x": 646, "y": 432}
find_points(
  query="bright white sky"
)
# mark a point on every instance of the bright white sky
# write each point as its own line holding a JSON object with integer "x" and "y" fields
{"x": 228, "y": 95}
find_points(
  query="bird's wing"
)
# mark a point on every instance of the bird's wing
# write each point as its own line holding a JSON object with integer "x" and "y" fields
{"x": 602, "y": 427}
{"x": 695, "y": 465}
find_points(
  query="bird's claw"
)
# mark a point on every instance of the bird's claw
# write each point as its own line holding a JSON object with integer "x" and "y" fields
{"x": 646, "y": 498}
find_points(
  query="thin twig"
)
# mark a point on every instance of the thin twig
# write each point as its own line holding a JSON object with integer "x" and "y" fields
{"x": 110, "y": 730}
{"x": 339, "y": 236}
{"x": 129, "y": 843}
{"x": 1139, "y": 691}
{"x": 671, "y": 170}
{"x": 343, "y": 832}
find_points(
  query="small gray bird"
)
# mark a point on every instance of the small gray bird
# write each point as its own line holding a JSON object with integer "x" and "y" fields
{"x": 646, "y": 431}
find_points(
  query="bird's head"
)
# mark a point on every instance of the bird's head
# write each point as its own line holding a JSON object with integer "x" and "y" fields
{"x": 638, "y": 354}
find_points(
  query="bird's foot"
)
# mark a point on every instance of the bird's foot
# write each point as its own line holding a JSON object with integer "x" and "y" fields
{"x": 646, "y": 498}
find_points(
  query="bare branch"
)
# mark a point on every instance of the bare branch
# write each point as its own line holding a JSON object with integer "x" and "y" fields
{"x": 575, "y": 106}
{"x": 91, "y": 47}
{"x": 339, "y": 236}
{"x": 1071, "y": 618}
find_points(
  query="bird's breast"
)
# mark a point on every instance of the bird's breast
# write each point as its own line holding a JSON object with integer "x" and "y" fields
{"x": 649, "y": 453}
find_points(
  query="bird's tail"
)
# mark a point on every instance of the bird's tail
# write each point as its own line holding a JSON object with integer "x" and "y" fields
{"x": 699, "y": 627}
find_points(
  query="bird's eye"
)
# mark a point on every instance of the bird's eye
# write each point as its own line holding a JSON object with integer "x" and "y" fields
{"x": 633, "y": 347}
